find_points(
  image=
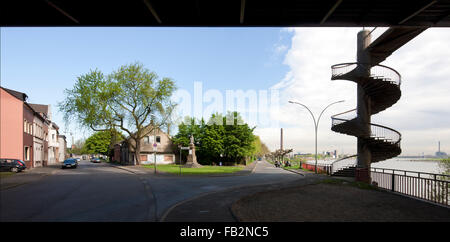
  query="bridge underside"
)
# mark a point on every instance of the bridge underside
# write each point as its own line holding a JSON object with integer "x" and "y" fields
{"x": 237, "y": 13}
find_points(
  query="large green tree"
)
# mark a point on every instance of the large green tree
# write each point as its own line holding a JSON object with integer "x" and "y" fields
{"x": 238, "y": 141}
{"x": 222, "y": 138}
{"x": 128, "y": 99}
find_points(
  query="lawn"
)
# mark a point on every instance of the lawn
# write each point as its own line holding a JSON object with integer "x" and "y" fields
{"x": 175, "y": 169}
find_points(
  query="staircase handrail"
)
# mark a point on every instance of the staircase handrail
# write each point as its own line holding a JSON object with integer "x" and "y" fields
{"x": 376, "y": 70}
{"x": 340, "y": 159}
{"x": 397, "y": 137}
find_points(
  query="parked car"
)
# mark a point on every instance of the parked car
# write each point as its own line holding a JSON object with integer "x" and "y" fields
{"x": 96, "y": 160}
{"x": 78, "y": 159}
{"x": 13, "y": 165}
{"x": 70, "y": 163}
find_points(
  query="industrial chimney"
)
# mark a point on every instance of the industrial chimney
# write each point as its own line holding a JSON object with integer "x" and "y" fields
{"x": 281, "y": 139}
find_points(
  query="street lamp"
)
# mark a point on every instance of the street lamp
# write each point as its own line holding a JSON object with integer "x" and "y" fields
{"x": 154, "y": 145}
{"x": 316, "y": 124}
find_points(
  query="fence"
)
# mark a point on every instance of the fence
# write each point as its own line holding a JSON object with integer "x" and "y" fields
{"x": 428, "y": 186}
{"x": 321, "y": 168}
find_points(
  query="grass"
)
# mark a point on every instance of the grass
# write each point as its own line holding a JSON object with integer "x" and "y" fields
{"x": 4, "y": 174}
{"x": 175, "y": 169}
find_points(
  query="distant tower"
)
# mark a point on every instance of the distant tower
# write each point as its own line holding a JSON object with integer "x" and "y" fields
{"x": 281, "y": 139}
{"x": 439, "y": 146}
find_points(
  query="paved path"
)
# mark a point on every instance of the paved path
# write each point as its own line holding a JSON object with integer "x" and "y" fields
{"x": 171, "y": 190}
{"x": 216, "y": 206}
{"x": 339, "y": 202}
{"x": 91, "y": 192}
{"x": 100, "y": 192}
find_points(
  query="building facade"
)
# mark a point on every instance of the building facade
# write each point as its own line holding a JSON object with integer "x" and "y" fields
{"x": 28, "y": 147}
{"x": 39, "y": 136}
{"x": 11, "y": 123}
{"x": 164, "y": 154}
{"x": 62, "y": 149}
{"x": 53, "y": 144}
{"x": 44, "y": 112}
{"x": 24, "y": 131}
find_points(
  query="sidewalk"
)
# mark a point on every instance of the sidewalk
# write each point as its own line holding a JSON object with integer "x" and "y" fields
{"x": 336, "y": 201}
{"x": 313, "y": 199}
{"x": 28, "y": 176}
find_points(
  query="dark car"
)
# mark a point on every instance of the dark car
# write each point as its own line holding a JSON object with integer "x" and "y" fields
{"x": 70, "y": 163}
{"x": 13, "y": 165}
{"x": 96, "y": 160}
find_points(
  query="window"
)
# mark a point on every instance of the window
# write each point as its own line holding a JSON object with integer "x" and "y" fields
{"x": 24, "y": 126}
{"x": 26, "y": 153}
{"x": 158, "y": 139}
{"x": 146, "y": 140}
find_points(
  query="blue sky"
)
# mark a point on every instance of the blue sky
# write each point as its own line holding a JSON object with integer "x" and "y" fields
{"x": 42, "y": 62}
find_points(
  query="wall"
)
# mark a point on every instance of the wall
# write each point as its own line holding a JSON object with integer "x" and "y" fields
{"x": 28, "y": 116}
{"x": 11, "y": 126}
{"x": 38, "y": 141}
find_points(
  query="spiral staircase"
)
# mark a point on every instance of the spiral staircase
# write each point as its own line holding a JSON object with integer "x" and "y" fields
{"x": 382, "y": 87}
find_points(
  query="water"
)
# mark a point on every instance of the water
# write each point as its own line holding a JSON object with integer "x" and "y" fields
{"x": 410, "y": 164}
{"x": 407, "y": 164}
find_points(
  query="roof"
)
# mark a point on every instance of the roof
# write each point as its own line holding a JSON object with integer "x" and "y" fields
{"x": 19, "y": 95}
{"x": 40, "y": 108}
{"x": 282, "y": 13}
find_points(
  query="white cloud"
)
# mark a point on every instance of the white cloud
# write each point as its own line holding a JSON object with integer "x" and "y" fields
{"x": 421, "y": 115}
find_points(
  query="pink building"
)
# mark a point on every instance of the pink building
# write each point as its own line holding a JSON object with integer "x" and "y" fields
{"x": 11, "y": 123}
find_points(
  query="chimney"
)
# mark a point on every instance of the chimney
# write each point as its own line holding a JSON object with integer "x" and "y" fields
{"x": 281, "y": 142}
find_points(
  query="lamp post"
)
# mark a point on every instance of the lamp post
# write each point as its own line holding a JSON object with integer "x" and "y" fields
{"x": 154, "y": 145}
{"x": 316, "y": 124}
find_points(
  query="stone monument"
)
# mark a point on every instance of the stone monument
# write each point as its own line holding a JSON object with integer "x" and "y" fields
{"x": 192, "y": 159}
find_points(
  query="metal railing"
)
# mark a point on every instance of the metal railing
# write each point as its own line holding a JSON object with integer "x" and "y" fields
{"x": 376, "y": 131}
{"x": 385, "y": 73}
{"x": 427, "y": 186}
{"x": 337, "y": 164}
{"x": 387, "y": 134}
{"x": 342, "y": 69}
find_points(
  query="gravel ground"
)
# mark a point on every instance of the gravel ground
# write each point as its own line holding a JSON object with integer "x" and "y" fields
{"x": 335, "y": 203}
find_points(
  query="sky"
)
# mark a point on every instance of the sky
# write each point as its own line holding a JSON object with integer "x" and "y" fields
{"x": 291, "y": 63}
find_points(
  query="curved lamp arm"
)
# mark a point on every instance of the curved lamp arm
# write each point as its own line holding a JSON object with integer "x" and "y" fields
{"x": 312, "y": 115}
{"x": 326, "y": 108}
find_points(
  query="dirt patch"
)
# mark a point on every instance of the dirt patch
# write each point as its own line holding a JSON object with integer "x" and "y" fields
{"x": 334, "y": 203}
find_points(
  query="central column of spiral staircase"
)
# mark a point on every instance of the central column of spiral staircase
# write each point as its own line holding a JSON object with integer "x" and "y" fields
{"x": 363, "y": 106}
{"x": 378, "y": 87}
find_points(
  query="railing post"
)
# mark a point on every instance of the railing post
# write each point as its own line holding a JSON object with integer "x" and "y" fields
{"x": 393, "y": 181}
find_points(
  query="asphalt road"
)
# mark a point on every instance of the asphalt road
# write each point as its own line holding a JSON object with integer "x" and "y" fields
{"x": 99, "y": 192}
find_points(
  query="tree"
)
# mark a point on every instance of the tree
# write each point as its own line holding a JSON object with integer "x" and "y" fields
{"x": 238, "y": 138}
{"x": 187, "y": 128}
{"x": 218, "y": 140}
{"x": 128, "y": 99}
{"x": 260, "y": 149}
{"x": 213, "y": 138}
{"x": 78, "y": 148}
{"x": 101, "y": 142}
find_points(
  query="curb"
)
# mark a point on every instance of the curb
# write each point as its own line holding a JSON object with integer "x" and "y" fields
{"x": 293, "y": 171}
